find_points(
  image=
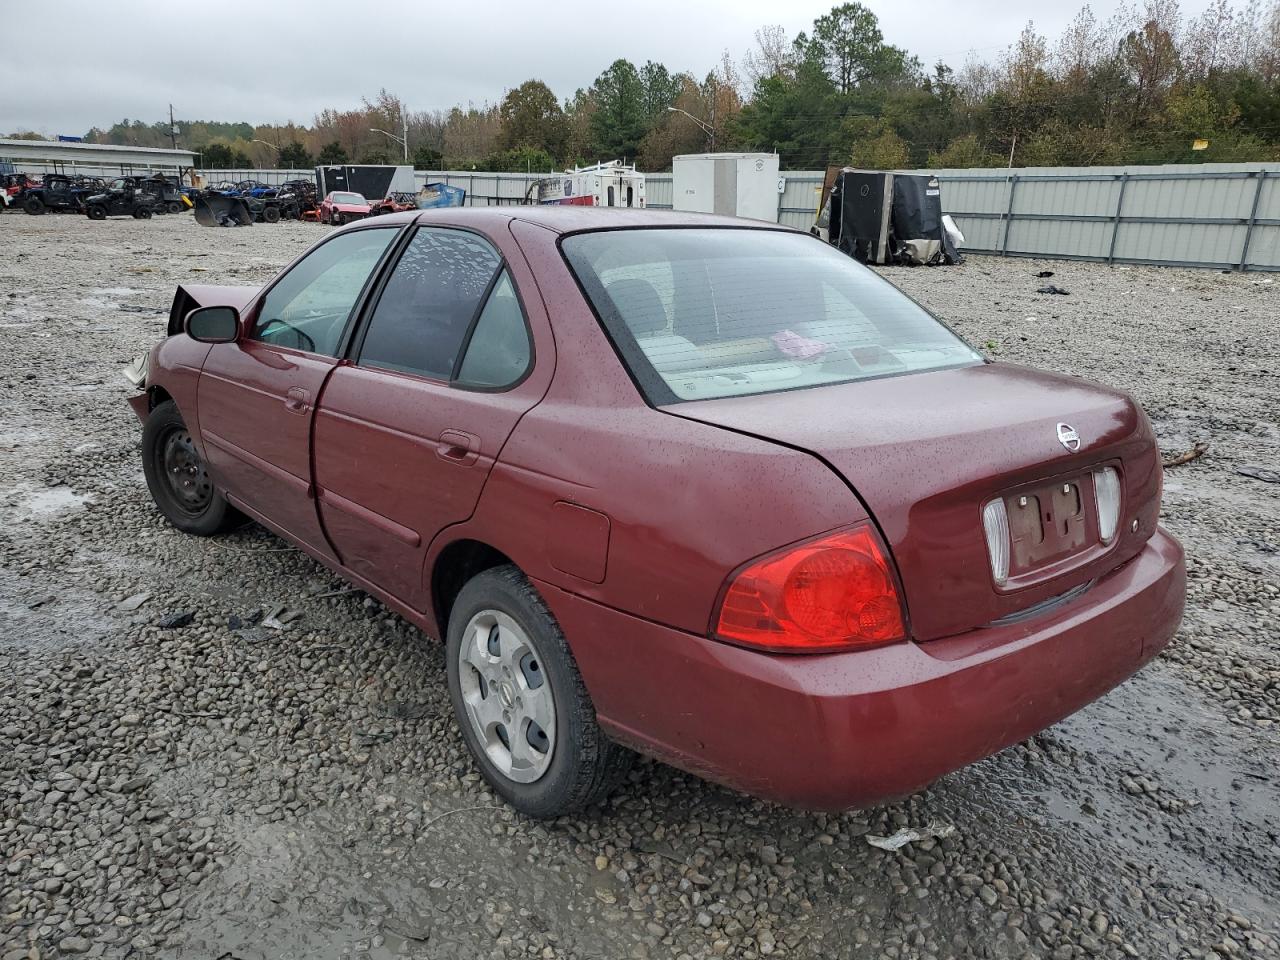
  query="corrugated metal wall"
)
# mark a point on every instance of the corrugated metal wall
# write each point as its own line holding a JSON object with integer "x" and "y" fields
{"x": 1223, "y": 216}
{"x": 1220, "y": 215}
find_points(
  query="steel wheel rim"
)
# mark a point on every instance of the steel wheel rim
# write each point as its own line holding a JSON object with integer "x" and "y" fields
{"x": 507, "y": 696}
{"x": 185, "y": 473}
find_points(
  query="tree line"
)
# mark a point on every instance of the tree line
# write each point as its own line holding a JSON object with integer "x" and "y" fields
{"x": 1146, "y": 85}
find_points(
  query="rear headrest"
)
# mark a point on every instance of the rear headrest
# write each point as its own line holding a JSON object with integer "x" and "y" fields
{"x": 639, "y": 305}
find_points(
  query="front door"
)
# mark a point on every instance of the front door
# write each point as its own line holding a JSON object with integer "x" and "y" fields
{"x": 407, "y": 433}
{"x": 256, "y": 397}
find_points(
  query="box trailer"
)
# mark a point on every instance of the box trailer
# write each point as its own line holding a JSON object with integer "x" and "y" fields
{"x": 734, "y": 184}
{"x": 371, "y": 181}
{"x": 881, "y": 217}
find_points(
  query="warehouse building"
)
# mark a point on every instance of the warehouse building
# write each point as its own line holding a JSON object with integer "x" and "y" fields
{"x": 90, "y": 159}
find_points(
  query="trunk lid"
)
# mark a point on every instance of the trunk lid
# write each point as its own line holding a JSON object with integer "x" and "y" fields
{"x": 926, "y": 452}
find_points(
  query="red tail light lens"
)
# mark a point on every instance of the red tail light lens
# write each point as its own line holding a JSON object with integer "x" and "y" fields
{"x": 836, "y": 593}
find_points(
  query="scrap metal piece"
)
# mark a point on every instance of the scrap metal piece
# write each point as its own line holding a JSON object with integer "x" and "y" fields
{"x": 214, "y": 210}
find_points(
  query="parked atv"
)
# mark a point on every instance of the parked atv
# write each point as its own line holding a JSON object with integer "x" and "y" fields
{"x": 297, "y": 198}
{"x": 127, "y": 196}
{"x": 12, "y": 184}
{"x": 170, "y": 195}
{"x": 58, "y": 193}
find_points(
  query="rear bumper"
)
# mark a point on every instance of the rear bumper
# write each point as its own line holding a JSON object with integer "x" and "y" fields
{"x": 853, "y": 729}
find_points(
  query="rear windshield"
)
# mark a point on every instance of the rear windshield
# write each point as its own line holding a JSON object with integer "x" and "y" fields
{"x": 704, "y": 313}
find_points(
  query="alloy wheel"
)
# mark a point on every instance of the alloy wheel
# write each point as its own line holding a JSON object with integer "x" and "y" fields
{"x": 507, "y": 696}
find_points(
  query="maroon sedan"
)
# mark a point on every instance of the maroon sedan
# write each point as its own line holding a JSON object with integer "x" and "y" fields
{"x": 700, "y": 488}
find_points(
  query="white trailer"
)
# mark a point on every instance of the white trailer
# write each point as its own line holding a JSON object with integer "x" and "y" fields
{"x": 734, "y": 184}
{"x": 610, "y": 184}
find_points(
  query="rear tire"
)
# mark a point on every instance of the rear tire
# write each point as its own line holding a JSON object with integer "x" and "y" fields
{"x": 173, "y": 206}
{"x": 177, "y": 478}
{"x": 271, "y": 214}
{"x": 531, "y": 677}
{"x": 33, "y": 206}
{"x": 97, "y": 213}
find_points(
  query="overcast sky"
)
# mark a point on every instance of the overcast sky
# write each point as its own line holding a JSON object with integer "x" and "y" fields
{"x": 271, "y": 62}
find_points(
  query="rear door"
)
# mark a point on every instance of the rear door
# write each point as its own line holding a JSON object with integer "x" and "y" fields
{"x": 441, "y": 371}
{"x": 256, "y": 397}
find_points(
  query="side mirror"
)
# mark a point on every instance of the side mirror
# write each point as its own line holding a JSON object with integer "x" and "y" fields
{"x": 213, "y": 324}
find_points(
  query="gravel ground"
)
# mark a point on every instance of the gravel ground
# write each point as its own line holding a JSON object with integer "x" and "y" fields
{"x": 179, "y": 780}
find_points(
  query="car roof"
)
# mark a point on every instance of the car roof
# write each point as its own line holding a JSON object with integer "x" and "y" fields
{"x": 571, "y": 218}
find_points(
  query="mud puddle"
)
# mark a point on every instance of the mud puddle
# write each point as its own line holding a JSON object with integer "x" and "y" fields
{"x": 1157, "y": 776}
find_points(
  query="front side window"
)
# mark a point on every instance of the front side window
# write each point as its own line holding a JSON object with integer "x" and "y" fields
{"x": 699, "y": 314}
{"x": 421, "y": 322}
{"x": 309, "y": 306}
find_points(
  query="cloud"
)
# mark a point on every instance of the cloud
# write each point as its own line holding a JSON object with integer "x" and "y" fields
{"x": 275, "y": 62}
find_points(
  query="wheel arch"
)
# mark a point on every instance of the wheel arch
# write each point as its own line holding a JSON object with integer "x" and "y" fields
{"x": 157, "y": 395}
{"x": 455, "y": 564}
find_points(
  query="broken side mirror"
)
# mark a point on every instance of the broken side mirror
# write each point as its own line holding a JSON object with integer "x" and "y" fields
{"x": 213, "y": 324}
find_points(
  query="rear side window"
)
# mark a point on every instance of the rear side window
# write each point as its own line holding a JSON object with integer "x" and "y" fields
{"x": 450, "y": 312}
{"x": 698, "y": 314}
{"x": 498, "y": 353}
{"x": 427, "y": 307}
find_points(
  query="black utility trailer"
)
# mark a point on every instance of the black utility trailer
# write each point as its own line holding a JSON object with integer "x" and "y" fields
{"x": 879, "y": 217}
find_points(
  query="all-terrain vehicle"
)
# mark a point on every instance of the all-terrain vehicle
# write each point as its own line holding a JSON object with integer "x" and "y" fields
{"x": 297, "y": 198}
{"x": 11, "y": 184}
{"x": 169, "y": 192}
{"x": 57, "y": 192}
{"x": 127, "y": 196}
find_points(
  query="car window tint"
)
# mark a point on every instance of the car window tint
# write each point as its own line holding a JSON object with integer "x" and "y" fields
{"x": 308, "y": 308}
{"x": 428, "y": 304}
{"x": 498, "y": 353}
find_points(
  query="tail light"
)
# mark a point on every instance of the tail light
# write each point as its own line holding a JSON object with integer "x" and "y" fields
{"x": 995, "y": 524}
{"x": 834, "y": 593}
{"x": 1106, "y": 490}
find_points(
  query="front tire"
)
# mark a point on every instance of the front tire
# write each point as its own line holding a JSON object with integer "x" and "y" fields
{"x": 97, "y": 213}
{"x": 177, "y": 478}
{"x": 517, "y": 694}
{"x": 33, "y": 206}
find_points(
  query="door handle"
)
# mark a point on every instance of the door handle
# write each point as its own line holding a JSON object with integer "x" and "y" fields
{"x": 458, "y": 447}
{"x": 297, "y": 400}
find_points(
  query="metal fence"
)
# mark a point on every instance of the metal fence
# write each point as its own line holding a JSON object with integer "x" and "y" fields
{"x": 1221, "y": 216}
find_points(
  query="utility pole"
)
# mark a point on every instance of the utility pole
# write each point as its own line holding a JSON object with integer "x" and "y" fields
{"x": 715, "y": 90}
{"x": 404, "y": 130}
{"x": 173, "y": 131}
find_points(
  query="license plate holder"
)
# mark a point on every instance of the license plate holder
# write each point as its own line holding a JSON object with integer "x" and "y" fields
{"x": 1049, "y": 522}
